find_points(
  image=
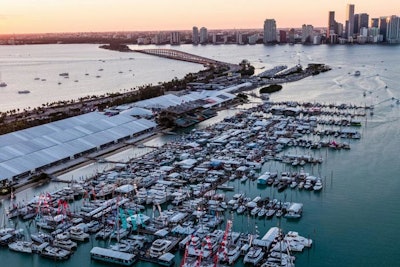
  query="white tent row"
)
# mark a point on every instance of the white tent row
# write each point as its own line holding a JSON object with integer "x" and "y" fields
{"x": 37, "y": 147}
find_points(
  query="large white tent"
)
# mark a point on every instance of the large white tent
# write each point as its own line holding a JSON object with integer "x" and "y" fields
{"x": 28, "y": 150}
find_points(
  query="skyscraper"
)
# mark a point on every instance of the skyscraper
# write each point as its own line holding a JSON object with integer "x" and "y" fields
{"x": 307, "y": 34}
{"x": 195, "y": 35}
{"x": 374, "y": 22}
{"x": 393, "y": 30}
{"x": 269, "y": 31}
{"x": 349, "y": 21}
{"x": 331, "y": 24}
{"x": 203, "y": 35}
{"x": 356, "y": 26}
{"x": 382, "y": 27}
{"x": 363, "y": 19}
{"x": 175, "y": 38}
{"x": 282, "y": 37}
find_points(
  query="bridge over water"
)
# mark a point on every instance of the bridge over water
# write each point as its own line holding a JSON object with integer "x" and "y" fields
{"x": 179, "y": 55}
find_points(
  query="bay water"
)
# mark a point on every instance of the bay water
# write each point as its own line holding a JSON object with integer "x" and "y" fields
{"x": 353, "y": 221}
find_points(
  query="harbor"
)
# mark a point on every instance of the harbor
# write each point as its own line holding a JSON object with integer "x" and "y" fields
{"x": 356, "y": 183}
{"x": 187, "y": 194}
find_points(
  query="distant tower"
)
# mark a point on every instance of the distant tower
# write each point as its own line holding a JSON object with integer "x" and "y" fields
{"x": 307, "y": 34}
{"x": 331, "y": 24}
{"x": 350, "y": 21}
{"x": 175, "y": 38}
{"x": 374, "y": 22}
{"x": 382, "y": 27}
{"x": 363, "y": 20}
{"x": 356, "y": 26}
{"x": 195, "y": 36}
{"x": 393, "y": 30}
{"x": 203, "y": 35}
{"x": 269, "y": 31}
{"x": 292, "y": 37}
{"x": 282, "y": 37}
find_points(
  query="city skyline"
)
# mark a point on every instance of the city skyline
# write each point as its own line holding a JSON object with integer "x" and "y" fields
{"x": 48, "y": 16}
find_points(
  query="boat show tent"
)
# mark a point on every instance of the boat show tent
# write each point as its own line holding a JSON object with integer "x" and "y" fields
{"x": 26, "y": 151}
{"x": 212, "y": 97}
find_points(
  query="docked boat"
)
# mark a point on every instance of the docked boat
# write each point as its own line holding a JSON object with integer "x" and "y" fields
{"x": 254, "y": 256}
{"x": 294, "y": 211}
{"x": 262, "y": 180}
{"x": 241, "y": 209}
{"x": 76, "y": 233}
{"x": 63, "y": 241}
{"x": 41, "y": 237}
{"x": 270, "y": 213}
{"x": 104, "y": 233}
{"x": 231, "y": 254}
{"x": 226, "y": 186}
{"x": 122, "y": 246}
{"x": 159, "y": 247}
{"x": 21, "y": 246}
{"x": 262, "y": 212}
{"x": 318, "y": 185}
{"x": 167, "y": 259}
{"x": 294, "y": 236}
{"x": 255, "y": 211}
{"x": 244, "y": 178}
{"x": 112, "y": 256}
{"x": 55, "y": 253}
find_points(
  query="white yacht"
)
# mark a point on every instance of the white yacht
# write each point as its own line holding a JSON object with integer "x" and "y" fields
{"x": 231, "y": 254}
{"x": 55, "y": 253}
{"x": 254, "y": 256}
{"x": 318, "y": 185}
{"x": 159, "y": 247}
{"x": 294, "y": 236}
{"x": 63, "y": 241}
{"x": 21, "y": 246}
{"x": 76, "y": 233}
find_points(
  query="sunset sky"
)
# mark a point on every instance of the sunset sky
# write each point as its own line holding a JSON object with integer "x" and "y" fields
{"x": 40, "y": 16}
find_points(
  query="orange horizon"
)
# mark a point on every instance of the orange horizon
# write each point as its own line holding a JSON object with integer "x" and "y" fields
{"x": 72, "y": 16}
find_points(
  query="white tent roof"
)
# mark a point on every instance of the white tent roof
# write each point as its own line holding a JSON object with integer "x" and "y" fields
{"x": 33, "y": 148}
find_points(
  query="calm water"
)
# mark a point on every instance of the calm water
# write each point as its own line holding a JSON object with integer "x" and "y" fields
{"x": 353, "y": 221}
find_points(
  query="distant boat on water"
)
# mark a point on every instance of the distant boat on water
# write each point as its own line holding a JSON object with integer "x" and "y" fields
{"x": 2, "y": 84}
{"x": 24, "y": 92}
{"x": 64, "y": 74}
{"x": 357, "y": 73}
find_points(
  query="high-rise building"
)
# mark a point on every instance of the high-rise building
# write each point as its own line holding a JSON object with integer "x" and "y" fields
{"x": 195, "y": 35}
{"x": 292, "y": 36}
{"x": 382, "y": 27}
{"x": 363, "y": 19}
{"x": 374, "y": 23}
{"x": 282, "y": 37}
{"x": 203, "y": 35}
{"x": 331, "y": 24}
{"x": 307, "y": 34}
{"x": 269, "y": 31}
{"x": 160, "y": 38}
{"x": 349, "y": 21}
{"x": 356, "y": 26}
{"x": 175, "y": 38}
{"x": 393, "y": 30}
{"x": 239, "y": 38}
